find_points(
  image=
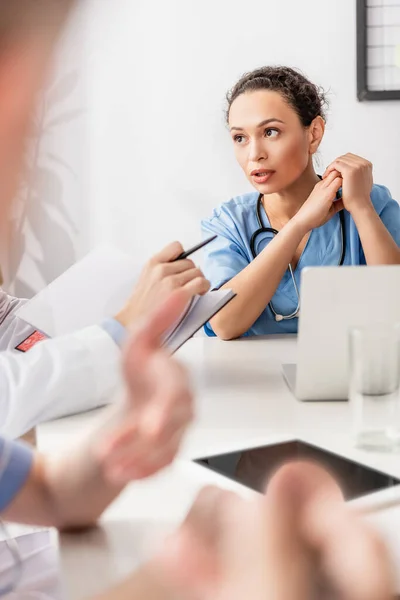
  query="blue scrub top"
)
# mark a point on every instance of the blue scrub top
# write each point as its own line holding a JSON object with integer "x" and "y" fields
{"x": 236, "y": 221}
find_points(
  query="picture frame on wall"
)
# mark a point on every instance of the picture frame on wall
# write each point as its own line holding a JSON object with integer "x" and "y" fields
{"x": 378, "y": 50}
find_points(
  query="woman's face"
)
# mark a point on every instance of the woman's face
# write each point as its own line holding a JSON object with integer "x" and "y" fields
{"x": 271, "y": 144}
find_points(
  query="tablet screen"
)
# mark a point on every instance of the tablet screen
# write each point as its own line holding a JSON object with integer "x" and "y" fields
{"x": 253, "y": 467}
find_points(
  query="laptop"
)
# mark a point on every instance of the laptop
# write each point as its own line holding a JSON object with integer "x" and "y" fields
{"x": 332, "y": 300}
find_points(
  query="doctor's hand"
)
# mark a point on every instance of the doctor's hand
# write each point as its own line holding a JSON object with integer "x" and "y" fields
{"x": 356, "y": 173}
{"x": 158, "y": 279}
{"x": 146, "y": 431}
{"x": 321, "y": 205}
{"x": 297, "y": 542}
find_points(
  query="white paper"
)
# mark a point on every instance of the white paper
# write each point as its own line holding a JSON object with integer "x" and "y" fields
{"x": 92, "y": 290}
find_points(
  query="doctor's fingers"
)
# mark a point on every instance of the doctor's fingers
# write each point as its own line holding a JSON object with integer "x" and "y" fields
{"x": 170, "y": 408}
{"x": 142, "y": 461}
{"x": 169, "y": 400}
{"x": 279, "y": 560}
{"x": 197, "y": 287}
{"x": 146, "y": 362}
{"x": 330, "y": 179}
{"x": 347, "y": 163}
{"x": 152, "y": 431}
{"x": 330, "y": 187}
{"x": 147, "y": 340}
{"x": 181, "y": 279}
{"x": 168, "y": 269}
{"x": 161, "y": 426}
{"x": 229, "y": 549}
{"x": 352, "y": 562}
{"x": 136, "y": 452}
{"x": 191, "y": 556}
{"x": 167, "y": 406}
{"x": 139, "y": 450}
{"x": 168, "y": 253}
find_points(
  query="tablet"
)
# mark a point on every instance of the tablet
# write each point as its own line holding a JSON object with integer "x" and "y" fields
{"x": 253, "y": 467}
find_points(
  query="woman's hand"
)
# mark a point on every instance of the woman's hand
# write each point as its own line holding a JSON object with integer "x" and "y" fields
{"x": 321, "y": 205}
{"x": 356, "y": 173}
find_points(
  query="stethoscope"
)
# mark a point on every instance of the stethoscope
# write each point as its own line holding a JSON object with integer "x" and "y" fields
{"x": 262, "y": 229}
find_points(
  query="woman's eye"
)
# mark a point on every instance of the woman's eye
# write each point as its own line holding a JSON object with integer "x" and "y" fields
{"x": 238, "y": 138}
{"x": 271, "y": 132}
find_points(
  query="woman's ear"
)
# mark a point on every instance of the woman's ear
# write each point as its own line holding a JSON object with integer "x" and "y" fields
{"x": 316, "y": 133}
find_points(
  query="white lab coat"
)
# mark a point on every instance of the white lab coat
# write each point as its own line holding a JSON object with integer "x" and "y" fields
{"x": 56, "y": 377}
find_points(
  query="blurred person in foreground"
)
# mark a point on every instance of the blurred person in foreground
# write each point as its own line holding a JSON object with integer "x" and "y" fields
{"x": 141, "y": 433}
{"x": 298, "y": 541}
{"x": 80, "y": 371}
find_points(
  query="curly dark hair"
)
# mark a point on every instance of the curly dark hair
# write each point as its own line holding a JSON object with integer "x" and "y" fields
{"x": 307, "y": 99}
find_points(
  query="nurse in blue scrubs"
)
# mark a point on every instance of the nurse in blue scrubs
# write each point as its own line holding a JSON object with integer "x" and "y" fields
{"x": 276, "y": 121}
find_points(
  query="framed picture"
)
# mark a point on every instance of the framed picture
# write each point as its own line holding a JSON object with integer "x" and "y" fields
{"x": 378, "y": 50}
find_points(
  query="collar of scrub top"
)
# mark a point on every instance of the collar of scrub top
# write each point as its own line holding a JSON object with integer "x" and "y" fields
{"x": 295, "y": 314}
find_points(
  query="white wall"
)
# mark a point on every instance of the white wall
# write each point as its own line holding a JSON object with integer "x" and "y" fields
{"x": 161, "y": 156}
{"x": 151, "y": 155}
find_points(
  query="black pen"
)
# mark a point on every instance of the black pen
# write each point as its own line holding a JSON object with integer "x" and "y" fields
{"x": 194, "y": 249}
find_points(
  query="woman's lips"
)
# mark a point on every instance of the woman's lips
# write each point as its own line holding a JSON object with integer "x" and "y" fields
{"x": 261, "y": 176}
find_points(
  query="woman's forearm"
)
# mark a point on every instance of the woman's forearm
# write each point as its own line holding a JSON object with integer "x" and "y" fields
{"x": 378, "y": 245}
{"x": 257, "y": 283}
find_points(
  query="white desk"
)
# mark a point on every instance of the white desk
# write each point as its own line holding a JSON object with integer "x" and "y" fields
{"x": 242, "y": 400}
